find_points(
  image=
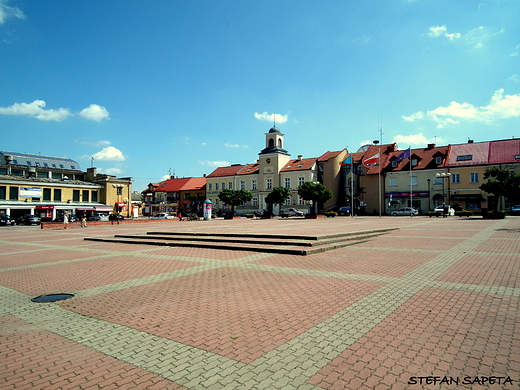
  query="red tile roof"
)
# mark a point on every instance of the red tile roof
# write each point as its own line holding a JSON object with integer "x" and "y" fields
{"x": 328, "y": 155}
{"x": 479, "y": 153}
{"x": 504, "y": 152}
{"x": 249, "y": 169}
{"x": 182, "y": 184}
{"x": 425, "y": 159}
{"x": 299, "y": 165}
{"x": 226, "y": 171}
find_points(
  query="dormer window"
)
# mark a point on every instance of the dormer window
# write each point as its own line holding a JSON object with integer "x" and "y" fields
{"x": 467, "y": 157}
{"x": 414, "y": 162}
{"x": 394, "y": 164}
{"x": 301, "y": 165}
{"x": 438, "y": 160}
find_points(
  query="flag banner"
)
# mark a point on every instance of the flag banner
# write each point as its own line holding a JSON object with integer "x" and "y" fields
{"x": 347, "y": 161}
{"x": 371, "y": 160}
{"x": 402, "y": 156}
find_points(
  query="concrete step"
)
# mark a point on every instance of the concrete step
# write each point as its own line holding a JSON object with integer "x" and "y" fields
{"x": 270, "y": 243}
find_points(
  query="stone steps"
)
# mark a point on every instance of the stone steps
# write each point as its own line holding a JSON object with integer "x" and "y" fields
{"x": 271, "y": 243}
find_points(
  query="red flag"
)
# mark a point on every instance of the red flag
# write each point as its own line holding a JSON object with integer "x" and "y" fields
{"x": 371, "y": 160}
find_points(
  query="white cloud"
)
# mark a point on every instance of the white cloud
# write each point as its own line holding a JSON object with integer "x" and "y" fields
{"x": 95, "y": 113}
{"x": 442, "y": 31}
{"x": 109, "y": 154}
{"x": 111, "y": 171}
{"x": 500, "y": 107}
{"x": 415, "y": 139}
{"x": 9, "y": 12}
{"x": 278, "y": 118}
{"x": 515, "y": 78}
{"x": 214, "y": 163}
{"x": 96, "y": 144}
{"x": 236, "y": 146}
{"x": 37, "y": 110}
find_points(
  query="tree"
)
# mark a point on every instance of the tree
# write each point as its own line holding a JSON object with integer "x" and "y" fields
{"x": 502, "y": 183}
{"x": 277, "y": 196}
{"x": 316, "y": 192}
{"x": 234, "y": 198}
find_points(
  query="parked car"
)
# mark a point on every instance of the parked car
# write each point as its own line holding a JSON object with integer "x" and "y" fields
{"x": 515, "y": 210}
{"x": 72, "y": 218}
{"x": 345, "y": 210}
{"x": 293, "y": 212}
{"x": 447, "y": 210}
{"x": 6, "y": 220}
{"x": 163, "y": 216}
{"x": 115, "y": 217}
{"x": 406, "y": 211}
{"x": 99, "y": 217}
{"x": 29, "y": 219}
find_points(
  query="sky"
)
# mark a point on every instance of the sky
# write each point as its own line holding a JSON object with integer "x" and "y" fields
{"x": 148, "y": 89}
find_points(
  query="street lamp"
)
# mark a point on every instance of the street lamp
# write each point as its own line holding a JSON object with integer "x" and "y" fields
{"x": 376, "y": 143}
{"x": 429, "y": 181}
{"x": 443, "y": 175}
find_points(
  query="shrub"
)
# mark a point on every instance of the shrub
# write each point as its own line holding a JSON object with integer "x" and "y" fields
{"x": 249, "y": 215}
{"x": 494, "y": 215}
{"x": 463, "y": 213}
{"x": 434, "y": 214}
{"x": 330, "y": 214}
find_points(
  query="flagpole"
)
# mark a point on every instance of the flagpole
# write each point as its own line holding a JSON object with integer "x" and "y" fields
{"x": 411, "y": 192}
{"x": 352, "y": 190}
{"x": 376, "y": 142}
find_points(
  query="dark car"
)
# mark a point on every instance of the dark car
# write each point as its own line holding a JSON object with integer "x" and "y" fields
{"x": 345, "y": 210}
{"x": 115, "y": 217}
{"x": 29, "y": 219}
{"x": 6, "y": 220}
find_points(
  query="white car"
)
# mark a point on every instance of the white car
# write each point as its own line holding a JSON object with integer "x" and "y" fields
{"x": 163, "y": 216}
{"x": 406, "y": 211}
{"x": 292, "y": 212}
{"x": 99, "y": 217}
{"x": 448, "y": 210}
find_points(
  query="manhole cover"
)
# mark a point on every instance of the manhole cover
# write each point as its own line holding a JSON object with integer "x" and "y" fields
{"x": 52, "y": 298}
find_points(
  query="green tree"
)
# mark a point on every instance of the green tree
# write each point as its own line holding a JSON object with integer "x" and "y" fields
{"x": 316, "y": 192}
{"x": 277, "y": 196}
{"x": 503, "y": 184}
{"x": 234, "y": 198}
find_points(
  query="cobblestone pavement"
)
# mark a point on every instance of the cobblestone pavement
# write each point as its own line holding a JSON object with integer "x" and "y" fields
{"x": 433, "y": 305}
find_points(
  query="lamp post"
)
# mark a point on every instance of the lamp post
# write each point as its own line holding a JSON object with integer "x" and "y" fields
{"x": 443, "y": 175}
{"x": 429, "y": 181}
{"x": 376, "y": 143}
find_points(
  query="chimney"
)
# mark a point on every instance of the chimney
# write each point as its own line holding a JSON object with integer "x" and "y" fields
{"x": 300, "y": 157}
{"x": 470, "y": 141}
{"x": 430, "y": 146}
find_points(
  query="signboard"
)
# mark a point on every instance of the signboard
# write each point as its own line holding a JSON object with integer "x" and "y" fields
{"x": 26, "y": 192}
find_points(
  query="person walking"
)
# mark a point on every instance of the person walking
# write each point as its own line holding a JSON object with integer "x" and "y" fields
{"x": 65, "y": 220}
{"x": 83, "y": 221}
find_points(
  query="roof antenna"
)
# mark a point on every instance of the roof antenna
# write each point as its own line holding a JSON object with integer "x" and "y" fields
{"x": 274, "y": 119}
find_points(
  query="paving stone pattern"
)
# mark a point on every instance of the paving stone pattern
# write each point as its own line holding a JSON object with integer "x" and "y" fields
{"x": 437, "y": 298}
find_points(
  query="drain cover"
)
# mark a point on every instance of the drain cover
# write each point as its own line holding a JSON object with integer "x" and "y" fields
{"x": 52, "y": 298}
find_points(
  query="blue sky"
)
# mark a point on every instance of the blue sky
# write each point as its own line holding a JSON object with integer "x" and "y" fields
{"x": 149, "y": 88}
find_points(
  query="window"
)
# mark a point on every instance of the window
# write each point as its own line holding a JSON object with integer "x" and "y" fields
{"x": 301, "y": 201}
{"x": 13, "y": 193}
{"x": 119, "y": 191}
{"x": 56, "y": 175}
{"x": 413, "y": 180}
{"x": 414, "y": 162}
{"x": 455, "y": 178}
{"x": 242, "y": 185}
{"x": 253, "y": 185}
{"x": 57, "y": 195}
{"x": 84, "y": 195}
{"x": 216, "y": 186}
{"x": 186, "y": 195}
{"x": 230, "y": 185}
{"x": 301, "y": 180}
{"x": 210, "y": 187}
{"x": 394, "y": 164}
{"x": 437, "y": 180}
{"x": 17, "y": 172}
{"x": 2, "y": 192}
{"x": 75, "y": 195}
{"x": 269, "y": 184}
{"x": 254, "y": 201}
{"x": 46, "y": 194}
{"x": 42, "y": 174}
{"x": 393, "y": 182}
{"x": 473, "y": 177}
{"x": 438, "y": 160}
{"x": 288, "y": 182}
{"x": 94, "y": 195}
{"x": 467, "y": 157}
{"x": 223, "y": 186}
{"x": 288, "y": 201}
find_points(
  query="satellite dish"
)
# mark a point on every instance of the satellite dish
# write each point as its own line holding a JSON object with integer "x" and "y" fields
{"x": 364, "y": 148}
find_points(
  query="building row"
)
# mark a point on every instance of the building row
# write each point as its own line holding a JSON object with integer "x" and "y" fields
{"x": 377, "y": 179}
{"x": 49, "y": 186}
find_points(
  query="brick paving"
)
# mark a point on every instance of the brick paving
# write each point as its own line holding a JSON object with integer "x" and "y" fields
{"x": 433, "y": 305}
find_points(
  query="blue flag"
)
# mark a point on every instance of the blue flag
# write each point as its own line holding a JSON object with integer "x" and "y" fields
{"x": 402, "y": 156}
{"x": 347, "y": 161}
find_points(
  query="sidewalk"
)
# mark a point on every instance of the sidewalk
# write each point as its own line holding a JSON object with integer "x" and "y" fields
{"x": 431, "y": 305}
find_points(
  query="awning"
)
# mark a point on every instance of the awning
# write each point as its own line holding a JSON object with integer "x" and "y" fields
{"x": 103, "y": 208}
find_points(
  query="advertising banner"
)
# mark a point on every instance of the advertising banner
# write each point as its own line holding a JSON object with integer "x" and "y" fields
{"x": 31, "y": 192}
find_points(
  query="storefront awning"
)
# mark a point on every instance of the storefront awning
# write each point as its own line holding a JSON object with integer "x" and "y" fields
{"x": 103, "y": 208}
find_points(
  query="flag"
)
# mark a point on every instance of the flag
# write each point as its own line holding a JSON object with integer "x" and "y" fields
{"x": 402, "y": 156}
{"x": 347, "y": 161}
{"x": 372, "y": 160}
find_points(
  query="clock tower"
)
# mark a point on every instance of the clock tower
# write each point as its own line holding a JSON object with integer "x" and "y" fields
{"x": 271, "y": 160}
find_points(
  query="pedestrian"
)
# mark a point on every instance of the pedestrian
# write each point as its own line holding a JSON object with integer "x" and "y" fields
{"x": 83, "y": 221}
{"x": 65, "y": 220}
{"x": 179, "y": 216}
